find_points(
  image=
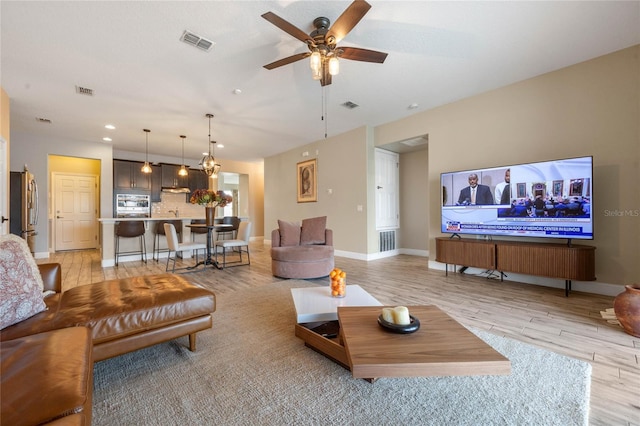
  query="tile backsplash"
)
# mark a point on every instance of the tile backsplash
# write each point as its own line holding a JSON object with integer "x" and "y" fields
{"x": 171, "y": 201}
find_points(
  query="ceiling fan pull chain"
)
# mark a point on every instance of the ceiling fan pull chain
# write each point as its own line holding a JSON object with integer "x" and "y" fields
{"x": 324, "y": 109}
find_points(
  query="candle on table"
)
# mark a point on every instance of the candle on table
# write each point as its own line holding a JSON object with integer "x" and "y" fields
{"x": 387, "y": 315}
{"x": 401, "y": 315}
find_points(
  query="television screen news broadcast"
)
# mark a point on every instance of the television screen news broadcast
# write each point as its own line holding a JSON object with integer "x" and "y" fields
{"x": 548, "y": 199}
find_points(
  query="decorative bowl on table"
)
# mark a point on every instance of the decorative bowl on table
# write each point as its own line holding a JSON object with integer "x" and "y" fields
{"x": 414, "y": 325}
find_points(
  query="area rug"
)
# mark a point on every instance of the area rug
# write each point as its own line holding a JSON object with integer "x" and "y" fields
{"x": 250, "y": 369}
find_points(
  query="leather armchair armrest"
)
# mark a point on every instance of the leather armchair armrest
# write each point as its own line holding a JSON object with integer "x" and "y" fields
{"x": 51, "y": 276}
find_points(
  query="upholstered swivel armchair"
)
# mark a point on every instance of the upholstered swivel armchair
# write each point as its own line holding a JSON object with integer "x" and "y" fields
{"x": 302, "y": 251}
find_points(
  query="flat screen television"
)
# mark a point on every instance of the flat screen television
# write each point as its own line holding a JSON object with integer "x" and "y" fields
{"x": 548, "y": 199}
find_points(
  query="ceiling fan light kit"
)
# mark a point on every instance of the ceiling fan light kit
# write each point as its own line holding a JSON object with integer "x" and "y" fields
{"x": 322, "y": 43}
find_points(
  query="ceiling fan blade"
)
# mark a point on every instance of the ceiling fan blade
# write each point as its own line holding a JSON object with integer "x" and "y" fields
{"x": 349, "y": 19}
{"x": 288, "y": 60}
{"x": 287, "y": 27}
{"x": 365, "y": 55}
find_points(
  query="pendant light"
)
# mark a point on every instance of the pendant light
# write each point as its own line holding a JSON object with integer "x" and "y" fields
{"x": 183, "y": 170}
{"x": 208, "y": 162}
{"x": 146, "y": 168}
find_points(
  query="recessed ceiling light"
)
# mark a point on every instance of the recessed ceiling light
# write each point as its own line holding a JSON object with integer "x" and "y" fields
{"x": 413, "y": 106}
{"x": 237, "y": 91}
{"x": 109, "y": 126}
{"x": 107, "y": 139}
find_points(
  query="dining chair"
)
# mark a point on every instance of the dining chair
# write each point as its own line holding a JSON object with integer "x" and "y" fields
{"x": 175, "y": 247}
{"x": 241, "y": 243}
{"x": 159, "y": 231}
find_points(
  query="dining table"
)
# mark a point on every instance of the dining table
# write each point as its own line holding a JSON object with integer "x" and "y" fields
{"x": 209, "y": 260}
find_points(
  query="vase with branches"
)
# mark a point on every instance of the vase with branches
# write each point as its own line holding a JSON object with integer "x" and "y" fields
{"x": 210, "y": 199}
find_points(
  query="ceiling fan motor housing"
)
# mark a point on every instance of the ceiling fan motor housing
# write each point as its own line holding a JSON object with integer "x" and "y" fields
{"x": 319, "y": 34}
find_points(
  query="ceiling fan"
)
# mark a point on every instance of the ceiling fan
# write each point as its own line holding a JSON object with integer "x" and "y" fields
{"x": 322, "y": 42}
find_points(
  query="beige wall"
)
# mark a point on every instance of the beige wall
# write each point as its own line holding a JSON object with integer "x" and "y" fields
{"x": 414, "y": 202}
{"x": 5, "y": 123}
{"x": 60, "y": 164}
{"x": 591, "y": 108}
{"x": 343, "y": 169}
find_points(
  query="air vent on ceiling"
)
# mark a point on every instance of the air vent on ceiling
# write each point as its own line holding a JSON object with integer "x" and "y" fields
{"x": 416, "y": 141}
{"x": 197, "y": 41}
{"x": 43, "y": 120}
{"x": 350, "y": 105}
{"x": 84, "y": 91}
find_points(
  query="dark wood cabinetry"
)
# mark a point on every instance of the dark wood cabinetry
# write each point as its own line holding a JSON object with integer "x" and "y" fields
{"x": 156, "y": 184}
{"x": 171, "y": 178}
{"x": 198, "y": 180}
{"x": 575, "y": 262}
{"x": 128, "y": 176}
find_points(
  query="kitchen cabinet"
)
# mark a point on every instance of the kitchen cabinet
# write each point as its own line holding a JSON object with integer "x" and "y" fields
{"x": 128, "y": 176}
{"x": 171, "y": 178}
{"x": 156, "y": 184}
{"x": 198, "y": 180}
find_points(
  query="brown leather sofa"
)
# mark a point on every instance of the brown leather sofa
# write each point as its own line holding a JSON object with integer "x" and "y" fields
{"x": 124, "y": 314}
{"x": 47, "y": 378}
{"x": 47, "y": 359}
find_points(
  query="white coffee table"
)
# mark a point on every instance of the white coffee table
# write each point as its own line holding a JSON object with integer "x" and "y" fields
{"x": 315, "y": 304}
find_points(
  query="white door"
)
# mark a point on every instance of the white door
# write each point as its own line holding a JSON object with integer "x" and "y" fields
{"x": 75, "y": 212}
{"x": 387, "y": 189}
{"x": 4, "y": 188}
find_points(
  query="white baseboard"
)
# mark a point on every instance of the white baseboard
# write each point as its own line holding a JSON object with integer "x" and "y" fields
{"x": 380, "y": 255}
{"x": 606, "y": 289}
{"x": 41, "y": 255}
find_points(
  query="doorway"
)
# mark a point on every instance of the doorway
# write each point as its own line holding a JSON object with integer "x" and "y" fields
{"x": 74, "y": 207}
{"x": 387, "y": 198}
{"x": 75, "y": 213}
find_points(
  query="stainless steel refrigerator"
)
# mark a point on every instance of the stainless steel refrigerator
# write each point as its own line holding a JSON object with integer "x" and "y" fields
{"x": 23, "y": 211}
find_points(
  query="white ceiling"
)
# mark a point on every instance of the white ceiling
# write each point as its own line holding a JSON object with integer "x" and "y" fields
{"x": 143, "y": 76}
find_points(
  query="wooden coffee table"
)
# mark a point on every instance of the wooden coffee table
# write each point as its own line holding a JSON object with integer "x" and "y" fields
{"x": 441, "y": 347}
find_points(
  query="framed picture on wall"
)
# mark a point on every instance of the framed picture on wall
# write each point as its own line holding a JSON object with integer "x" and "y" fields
{"x": 557, "y": 188}
{"x": 307, "y": 181}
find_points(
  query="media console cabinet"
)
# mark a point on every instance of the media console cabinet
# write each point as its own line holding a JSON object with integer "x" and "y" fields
{"x": 568, "y": 262}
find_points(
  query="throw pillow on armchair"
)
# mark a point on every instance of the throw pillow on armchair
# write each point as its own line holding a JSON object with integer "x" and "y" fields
{"x": 313, "y": 230}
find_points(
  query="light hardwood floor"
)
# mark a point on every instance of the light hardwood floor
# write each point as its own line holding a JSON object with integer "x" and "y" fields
{"x": 536, "y": 315}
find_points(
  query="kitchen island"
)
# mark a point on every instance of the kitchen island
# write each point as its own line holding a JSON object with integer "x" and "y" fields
{"x": 107, "y": 229}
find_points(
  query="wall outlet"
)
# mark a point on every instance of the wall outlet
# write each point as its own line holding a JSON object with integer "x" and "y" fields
{"x": 359, "y": 208}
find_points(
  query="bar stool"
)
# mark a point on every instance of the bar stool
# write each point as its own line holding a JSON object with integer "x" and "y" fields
{"x": 234, "y": 221}
{"x": 177, "y": 224}
{"x": 196, "y": 231}
{"x": 131, "y": 229}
